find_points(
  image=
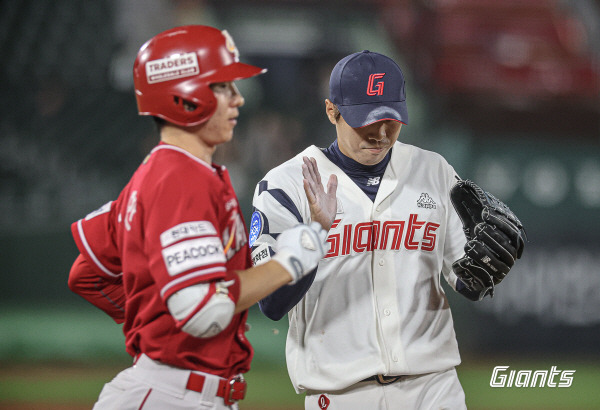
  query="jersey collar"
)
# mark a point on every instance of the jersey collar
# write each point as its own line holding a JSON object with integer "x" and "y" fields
{"x": 164, "y": 145}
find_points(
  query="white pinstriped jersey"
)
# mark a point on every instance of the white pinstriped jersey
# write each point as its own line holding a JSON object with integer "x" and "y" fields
{"x": 376, "y": 305}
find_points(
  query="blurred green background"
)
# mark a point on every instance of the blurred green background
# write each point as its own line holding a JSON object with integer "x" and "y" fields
{"x": 508, "y": 92}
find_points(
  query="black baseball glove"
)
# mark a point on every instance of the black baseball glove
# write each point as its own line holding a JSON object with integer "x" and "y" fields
{"x": 495, "y": 239}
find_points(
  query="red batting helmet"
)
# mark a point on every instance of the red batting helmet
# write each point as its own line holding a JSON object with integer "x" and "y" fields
{"x": 179, "y": 65}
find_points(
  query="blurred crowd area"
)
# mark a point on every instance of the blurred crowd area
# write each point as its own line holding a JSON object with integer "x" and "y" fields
{"x": 508, "y": 91}
{"x": 477, "y": 71}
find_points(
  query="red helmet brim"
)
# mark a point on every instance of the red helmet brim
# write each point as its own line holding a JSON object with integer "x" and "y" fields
{"x": 233, "y": 72}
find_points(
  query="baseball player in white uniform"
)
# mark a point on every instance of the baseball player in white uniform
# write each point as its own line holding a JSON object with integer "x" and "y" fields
{"x": 370, "y": 328}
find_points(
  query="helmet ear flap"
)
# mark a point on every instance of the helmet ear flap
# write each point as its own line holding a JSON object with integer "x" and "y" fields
{"x": 193, "y": 108}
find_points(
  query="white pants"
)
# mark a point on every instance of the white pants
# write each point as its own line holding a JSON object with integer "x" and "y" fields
{"x": 430, "y": 391}
{"x": 150, "y": 385}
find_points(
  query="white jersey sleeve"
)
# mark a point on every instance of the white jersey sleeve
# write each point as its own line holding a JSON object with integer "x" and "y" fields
{"x": 280, "y": 194}
{"x": 279, "y": 204}
{"x": 455, "y": 238}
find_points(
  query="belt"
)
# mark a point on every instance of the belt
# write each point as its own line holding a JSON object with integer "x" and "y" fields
{"x": 381, "y": 379}
{"x": 231, "y": 390}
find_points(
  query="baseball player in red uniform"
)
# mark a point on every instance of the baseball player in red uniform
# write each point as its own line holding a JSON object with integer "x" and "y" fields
{"x": 371, "y": 328}
{"x": 169, "y": 257}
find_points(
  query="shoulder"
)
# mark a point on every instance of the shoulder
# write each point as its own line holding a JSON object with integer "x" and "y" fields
{"x": 169, "y": 175}
{"x": 174, "y": 167}
{"x": 170, "y": 159}
{"x": 422, "y": 164}
{"x": 419, "y": 158}
{"x": 418, "y": 153}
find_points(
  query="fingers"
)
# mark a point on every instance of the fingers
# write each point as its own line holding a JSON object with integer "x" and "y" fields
{"x": 311, "y": 185}
{"x": 309, "y": 192}
{"x": 512, "y": 232}
{"x": 473, "y": 276}
{"x": 332, "y": 185}
{"x": 483, "y": 257}
{"x": 312, "y": 178}
{"x": 323, "y": 205}
{"x": 497, "y": 241}
{"x": 310, "y": 171}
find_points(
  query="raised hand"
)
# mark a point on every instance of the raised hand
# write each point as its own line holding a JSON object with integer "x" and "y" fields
{"x": 323, "y": 205}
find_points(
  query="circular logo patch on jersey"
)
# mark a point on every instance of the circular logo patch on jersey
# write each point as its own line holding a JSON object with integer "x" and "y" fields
{"x": 256, "y": 224}
{"x": 323, "y": 402}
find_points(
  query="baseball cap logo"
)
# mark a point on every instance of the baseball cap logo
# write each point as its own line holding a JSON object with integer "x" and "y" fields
{"x": 375, "y": 88}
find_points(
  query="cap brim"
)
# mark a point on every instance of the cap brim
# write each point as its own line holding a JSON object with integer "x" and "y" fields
{"x": 361, "y": 115}
{"x": 234, "y": 72}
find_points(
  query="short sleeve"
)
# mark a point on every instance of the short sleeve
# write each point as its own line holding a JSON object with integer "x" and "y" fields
{"x": 94, "y": 236}
{"x": 182, "y": 237}
{"x": 276, "y": 207}
{"x": 455, "y": 238}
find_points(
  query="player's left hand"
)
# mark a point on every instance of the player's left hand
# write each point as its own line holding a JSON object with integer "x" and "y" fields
{"x": 495, "y": 238}
{"x": 323, "y": 205}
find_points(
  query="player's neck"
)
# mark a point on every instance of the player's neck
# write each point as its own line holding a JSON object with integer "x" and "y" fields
{"x": 188, "y": 141}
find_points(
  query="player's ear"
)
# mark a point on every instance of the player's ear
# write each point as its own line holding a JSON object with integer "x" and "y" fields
{"x": 331, "y": 111}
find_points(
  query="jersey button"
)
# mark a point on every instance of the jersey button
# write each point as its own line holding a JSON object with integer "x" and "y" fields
{"x": 378, "y": 209}
{"x": 381, "y": 262}
{"x": 395, "y": 358}
{"x": 387, "y": 312}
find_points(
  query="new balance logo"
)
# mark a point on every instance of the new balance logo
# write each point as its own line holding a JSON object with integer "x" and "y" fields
{"x": 425, "y": 201}
{"x": 373, "y": 181}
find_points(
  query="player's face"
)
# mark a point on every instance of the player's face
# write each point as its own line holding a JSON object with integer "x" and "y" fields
{"x": 219, "y": 128}
{"x": 367, "y": 145}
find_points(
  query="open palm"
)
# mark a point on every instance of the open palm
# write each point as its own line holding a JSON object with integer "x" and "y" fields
{"x": 323, "y": 204}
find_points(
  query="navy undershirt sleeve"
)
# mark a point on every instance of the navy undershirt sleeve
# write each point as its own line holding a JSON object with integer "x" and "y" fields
{"x": 278, "y": 303}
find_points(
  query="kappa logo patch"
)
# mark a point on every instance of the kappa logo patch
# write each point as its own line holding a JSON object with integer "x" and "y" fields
{"x": 425, "y": 201}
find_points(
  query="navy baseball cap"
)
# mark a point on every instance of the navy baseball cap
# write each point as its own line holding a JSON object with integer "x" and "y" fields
{"x": 368, "y": 87}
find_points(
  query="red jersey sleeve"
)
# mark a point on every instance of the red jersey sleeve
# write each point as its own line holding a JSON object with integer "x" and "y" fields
{"x": 94, "y": 236}
{"x": 96, "y": 273}
{"x": 106, "y": 294}
{"x": 183, "y": 237}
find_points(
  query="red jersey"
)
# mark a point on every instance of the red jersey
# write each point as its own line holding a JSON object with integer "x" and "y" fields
{"x": 177, "y": 223}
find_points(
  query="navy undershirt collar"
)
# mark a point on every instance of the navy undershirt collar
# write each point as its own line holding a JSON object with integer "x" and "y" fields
{"x": 367, "y": 177}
